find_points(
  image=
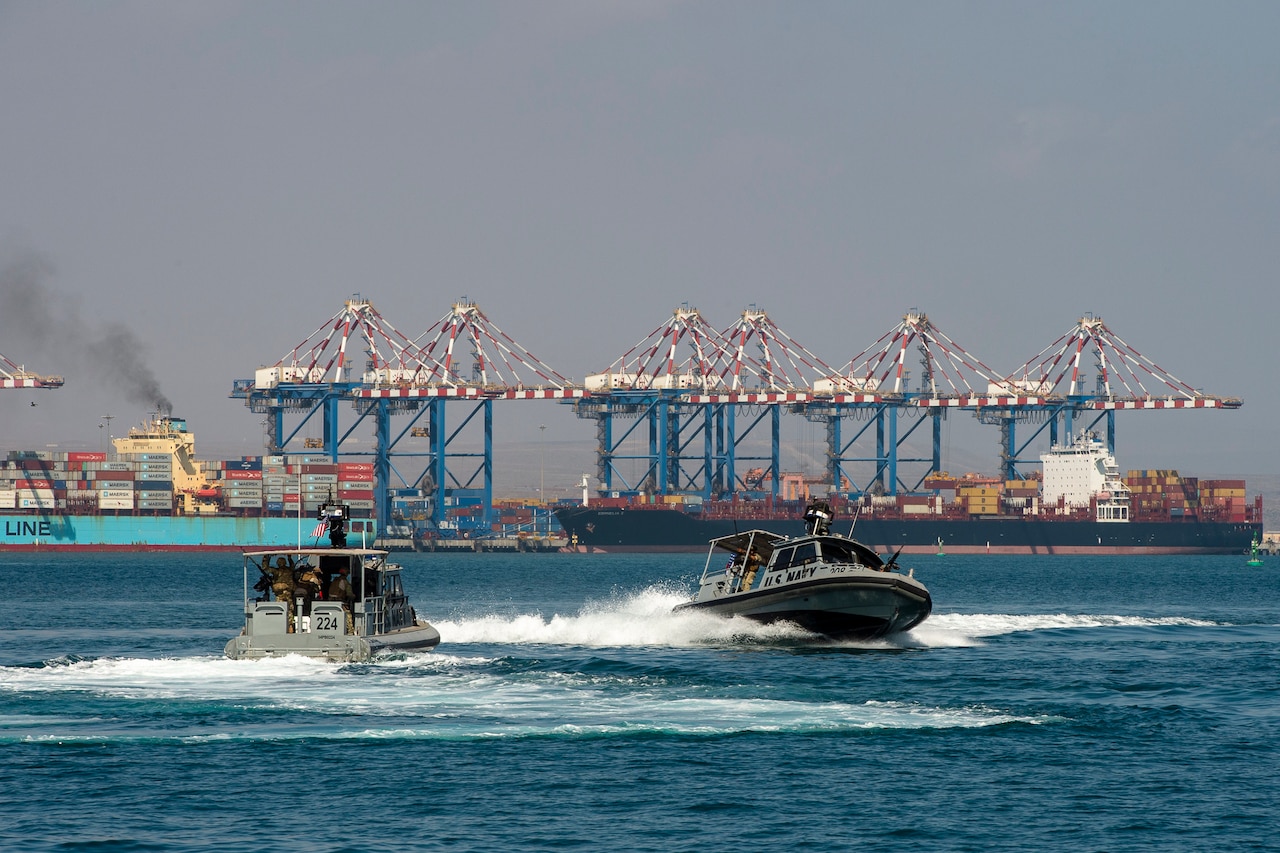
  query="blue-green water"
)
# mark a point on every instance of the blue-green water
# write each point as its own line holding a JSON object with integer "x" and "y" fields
{"x": 1048, "y": 704}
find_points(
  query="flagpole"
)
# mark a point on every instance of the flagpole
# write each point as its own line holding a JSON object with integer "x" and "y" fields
{"x": 299, "y": 509}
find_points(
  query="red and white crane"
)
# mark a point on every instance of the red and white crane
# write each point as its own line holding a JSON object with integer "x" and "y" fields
{"x": 17, "y": 376}
{"x": 1121, "y": 375}
{"x": 947, "y": 370}
{"x": 681, "y": 354}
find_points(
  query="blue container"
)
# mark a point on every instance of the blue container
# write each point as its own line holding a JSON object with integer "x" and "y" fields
{"x": 153, "y": 485}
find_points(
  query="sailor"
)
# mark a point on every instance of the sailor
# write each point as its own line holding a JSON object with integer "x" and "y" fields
{"x": 753, "y": 565}
{"x": 282, "y": 585}
{"x": 340, "y": 590}
{"x": 310, "y": 578}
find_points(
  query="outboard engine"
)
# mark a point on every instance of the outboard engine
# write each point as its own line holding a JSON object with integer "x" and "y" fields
{"x": 817, "y": 518}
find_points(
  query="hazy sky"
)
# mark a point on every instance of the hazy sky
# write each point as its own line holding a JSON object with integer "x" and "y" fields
{"x": 189, "y": 189}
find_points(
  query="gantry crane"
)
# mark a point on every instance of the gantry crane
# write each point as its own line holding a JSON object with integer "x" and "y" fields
{"x": 415, "y": 377}
{"x": 681, "y": 398}
{"x": 1054, "y": 384}
{"x": 686, "y": 383}
{"x": 17, "y": 376}
{"x": 684, "y": 386}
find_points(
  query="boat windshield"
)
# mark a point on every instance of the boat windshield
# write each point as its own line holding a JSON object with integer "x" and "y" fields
{"x": 838, "y": 552}
{"x": 805, "y": 552}
{"x": 847, "y": 551}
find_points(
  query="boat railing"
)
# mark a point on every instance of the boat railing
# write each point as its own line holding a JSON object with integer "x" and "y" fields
{"x": 375, "y": 615}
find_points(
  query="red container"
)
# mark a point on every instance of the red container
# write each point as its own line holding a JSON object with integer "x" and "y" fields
{"x": 33, "y": 484}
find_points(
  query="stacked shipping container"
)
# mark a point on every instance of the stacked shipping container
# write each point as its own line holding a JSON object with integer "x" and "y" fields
{"x": 47, "y": 481}
{"x": 295, "y": 483}
{"x": 90, "y": 482}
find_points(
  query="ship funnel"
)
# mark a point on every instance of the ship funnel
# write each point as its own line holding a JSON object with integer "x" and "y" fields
{"x": 817, "y": 518}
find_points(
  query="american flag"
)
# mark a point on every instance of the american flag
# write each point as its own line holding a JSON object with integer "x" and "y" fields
{"x": 320, "y": 528}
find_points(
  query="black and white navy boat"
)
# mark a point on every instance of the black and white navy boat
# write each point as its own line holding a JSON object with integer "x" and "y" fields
{"x": 822, "y": 581}
{"x": 341, "y": 604}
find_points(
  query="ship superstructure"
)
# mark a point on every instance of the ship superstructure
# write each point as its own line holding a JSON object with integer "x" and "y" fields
{"x": 1083, "y": 473}
{"x": 164, "y": 450}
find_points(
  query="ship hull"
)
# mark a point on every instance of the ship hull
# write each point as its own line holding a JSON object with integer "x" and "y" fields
{"x": 848, "y": 608}
{"x": 150, "y": 532}
{"x": 662, "y": 529}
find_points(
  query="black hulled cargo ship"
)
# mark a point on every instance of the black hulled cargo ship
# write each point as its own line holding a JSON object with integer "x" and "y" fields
{"x": 656, "y": 527}
{"x": 1081, "y": 505}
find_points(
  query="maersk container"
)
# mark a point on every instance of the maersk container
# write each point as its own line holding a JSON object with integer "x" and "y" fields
{"x": 115, "y": 503}
{"x": 244, "y": 503}
{"x": 119, "y": 485}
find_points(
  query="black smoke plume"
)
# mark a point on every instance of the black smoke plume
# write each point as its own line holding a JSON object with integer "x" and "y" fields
{"x": 36, "y": 322}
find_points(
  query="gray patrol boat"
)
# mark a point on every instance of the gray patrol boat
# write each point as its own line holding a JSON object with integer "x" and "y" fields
{"x": 289, "y": 618}
{"x": 824, "y": 582}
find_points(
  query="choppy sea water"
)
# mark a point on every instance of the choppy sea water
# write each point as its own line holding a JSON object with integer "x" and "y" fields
{"x": 1050, "y": 703}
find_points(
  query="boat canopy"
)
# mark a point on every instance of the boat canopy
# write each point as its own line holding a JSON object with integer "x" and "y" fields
{"x": 762, "y": 542}
{"x": 317, "y": 552}
{"x": 834, "y": 548}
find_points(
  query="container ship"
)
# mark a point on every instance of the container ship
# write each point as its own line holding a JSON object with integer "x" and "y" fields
{"x": 1081, "y": 504}
{"x": 152, "y": 494}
